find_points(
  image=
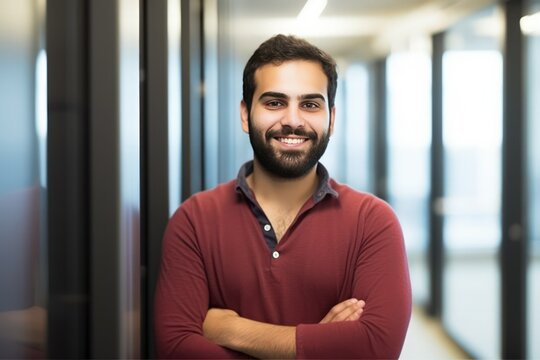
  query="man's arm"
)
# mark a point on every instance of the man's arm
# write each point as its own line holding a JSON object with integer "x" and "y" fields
{"x": 181, "y": 299}
{"x": 381, "y": 278}
{"x": 260, "y": 340}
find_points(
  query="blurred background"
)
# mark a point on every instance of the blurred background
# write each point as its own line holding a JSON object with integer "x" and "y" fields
{"x": 112, "y": 112}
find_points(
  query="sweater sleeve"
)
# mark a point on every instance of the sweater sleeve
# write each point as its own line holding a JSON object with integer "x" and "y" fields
{"x": 181, "y": 298}
{"x": 381, "y": 278}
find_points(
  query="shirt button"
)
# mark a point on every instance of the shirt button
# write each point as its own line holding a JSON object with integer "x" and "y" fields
{"x": 275, "y": 254}
{"x": 267, "y": 227}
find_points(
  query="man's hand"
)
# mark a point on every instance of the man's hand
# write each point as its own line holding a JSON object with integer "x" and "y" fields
{"x": 348, "y": 310}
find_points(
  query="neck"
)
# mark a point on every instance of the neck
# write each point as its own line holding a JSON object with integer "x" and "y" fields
{"x": 293, "y": 192}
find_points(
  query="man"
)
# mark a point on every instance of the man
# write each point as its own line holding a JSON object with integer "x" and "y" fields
{"x": 284, "y": 262}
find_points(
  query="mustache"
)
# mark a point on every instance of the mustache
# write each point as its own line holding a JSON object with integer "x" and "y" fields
{"x": 287, "y": 130}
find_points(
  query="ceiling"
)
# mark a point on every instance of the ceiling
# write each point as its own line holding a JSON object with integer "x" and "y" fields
{"x": 348, "y": 29}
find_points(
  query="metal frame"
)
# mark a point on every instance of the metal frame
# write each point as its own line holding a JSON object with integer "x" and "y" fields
{"x": 513, "y": 254}
{"x": 154, "y": 157}
{"x": 435, "y": 246}
{"x": 104, "y": 179}
{"x": 67, "y": 180}
{"x": 380, "y": 127}
{"x": 192, "y": 104}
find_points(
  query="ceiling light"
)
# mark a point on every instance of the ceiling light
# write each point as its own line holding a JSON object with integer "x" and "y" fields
{"x": 530, "y": 24}
{"x": 311, "y": 10}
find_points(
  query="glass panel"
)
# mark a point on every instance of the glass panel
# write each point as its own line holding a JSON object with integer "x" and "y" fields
{"x": 211, "y": 96}
{"x": 472, "y": 137}
{"x": 235, "y": 46}
{"x": 357, "y": 127}
{"x": 409, "y": 140}
{"x": 347, "y": 155}
{"x": 23, "y": 132}
{"x": 531, "y": 27}
{"x": 335, "y": 152}
{"x": 174, "y": 103}
{"x": 129, "y": 179}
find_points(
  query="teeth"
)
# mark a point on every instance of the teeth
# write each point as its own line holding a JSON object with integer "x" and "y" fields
{"x": 292, "y": 141}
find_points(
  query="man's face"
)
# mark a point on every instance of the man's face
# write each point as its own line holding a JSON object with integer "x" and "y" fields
{"x": 290, "y": 123}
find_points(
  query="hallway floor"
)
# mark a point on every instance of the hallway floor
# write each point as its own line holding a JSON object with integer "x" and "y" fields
{"x": 427, "y": 340}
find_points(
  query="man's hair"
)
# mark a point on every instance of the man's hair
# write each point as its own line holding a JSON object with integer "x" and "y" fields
{"x": 281, "y": 48}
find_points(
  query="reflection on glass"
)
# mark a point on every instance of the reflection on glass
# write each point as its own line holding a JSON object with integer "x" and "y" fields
{"x": 472, "y": 137}
{"x": 533, "y": 166}
{"x": 174, "y": 103}
{"x": 129, "y": 179}
{"x": 409, "y": 140}
{"x": 23, "y": 245}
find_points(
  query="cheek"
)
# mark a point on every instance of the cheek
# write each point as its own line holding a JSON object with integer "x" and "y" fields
{"x": 264, "y": 121}
{"x": 319, "y": 123}
{"x": 317, "y": 120}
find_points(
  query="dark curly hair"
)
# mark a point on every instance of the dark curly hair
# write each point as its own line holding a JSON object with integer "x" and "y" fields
{"x": 281, "y": 48}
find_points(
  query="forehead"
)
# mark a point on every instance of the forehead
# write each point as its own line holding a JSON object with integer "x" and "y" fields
{"x": 294, "y": 77}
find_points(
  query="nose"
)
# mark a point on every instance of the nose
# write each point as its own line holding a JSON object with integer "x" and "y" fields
{"x": 293, "y": 118}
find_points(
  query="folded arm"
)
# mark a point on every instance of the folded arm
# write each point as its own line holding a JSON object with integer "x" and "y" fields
{"x": 181, "y": 299}
{"x": 261, "y": 340}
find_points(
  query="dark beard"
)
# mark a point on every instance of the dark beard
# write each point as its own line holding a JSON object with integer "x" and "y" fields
{"x": 288, "y": 164}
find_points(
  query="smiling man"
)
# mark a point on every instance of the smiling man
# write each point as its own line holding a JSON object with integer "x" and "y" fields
{"x": 284, "y": 262}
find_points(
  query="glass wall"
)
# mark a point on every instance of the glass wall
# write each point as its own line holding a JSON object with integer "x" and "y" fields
{"x": 531, "y": 28}
{"x": 129, "y": 147}
{"x": 234, "y": 46}
{"x": 347, "y": 155}
{"x": 174, "y": 102}
{"x": 472, "y": 139}
{"x": 356, "y": 157}
{"x": 23, "y": 124}
{"x": 409, "y": 139}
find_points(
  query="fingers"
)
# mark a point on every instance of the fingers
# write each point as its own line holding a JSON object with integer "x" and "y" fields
{"x": 348, "y": 310}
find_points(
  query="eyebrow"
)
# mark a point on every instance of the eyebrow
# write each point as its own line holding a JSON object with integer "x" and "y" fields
{"x": 279, "y": 95}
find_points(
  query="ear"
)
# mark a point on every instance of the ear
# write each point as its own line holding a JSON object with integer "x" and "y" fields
{"x": 244, "y": 115}
{"x": 332, "y": 118}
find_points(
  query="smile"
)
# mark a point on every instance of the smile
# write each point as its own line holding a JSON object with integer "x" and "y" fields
{"x": 291, "y": 141}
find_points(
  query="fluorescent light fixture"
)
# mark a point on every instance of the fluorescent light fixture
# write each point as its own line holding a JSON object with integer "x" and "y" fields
{"x": 311, "y": 10}
{"x": 530, "y": 24}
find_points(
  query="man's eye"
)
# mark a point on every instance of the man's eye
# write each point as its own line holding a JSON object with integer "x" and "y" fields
{"x": 310, "y": 105}
{"x": 274, "y": 103}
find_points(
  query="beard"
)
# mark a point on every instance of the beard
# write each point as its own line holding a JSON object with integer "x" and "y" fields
{"x": 288, "y": 164}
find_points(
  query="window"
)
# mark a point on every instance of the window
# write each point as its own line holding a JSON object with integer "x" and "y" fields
{"x": 409, "y": 133}
{"x": 472, "y": 140}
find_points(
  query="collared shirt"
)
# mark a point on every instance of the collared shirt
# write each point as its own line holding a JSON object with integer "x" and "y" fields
{"x": 323, "y": 189}
{"x": 342, "y": 244}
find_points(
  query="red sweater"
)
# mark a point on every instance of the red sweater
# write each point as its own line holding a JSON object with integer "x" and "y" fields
{"x": 218, "y": 252}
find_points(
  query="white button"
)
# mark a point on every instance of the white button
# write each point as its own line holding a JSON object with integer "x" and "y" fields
{"x": 267, "y": 227}
{"x": 275, "y": 254}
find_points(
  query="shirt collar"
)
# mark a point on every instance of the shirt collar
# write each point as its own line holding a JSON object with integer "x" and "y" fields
{"x": 324, "y": 188}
